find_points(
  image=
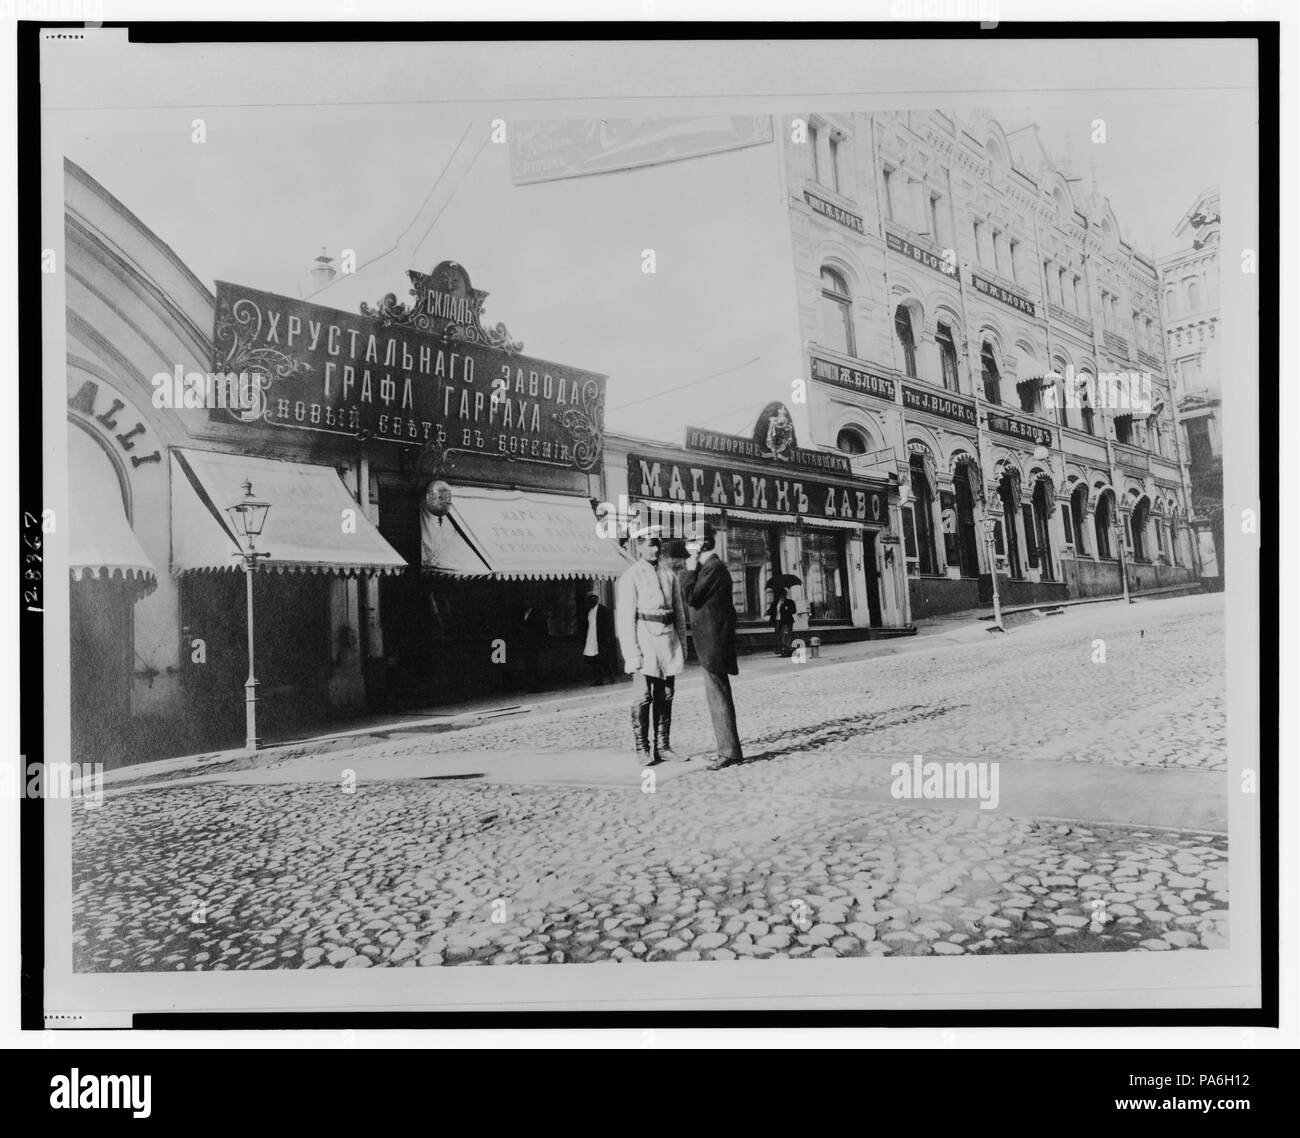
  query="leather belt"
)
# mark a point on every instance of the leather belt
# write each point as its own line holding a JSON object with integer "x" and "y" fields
{"x": 655, "y": 617}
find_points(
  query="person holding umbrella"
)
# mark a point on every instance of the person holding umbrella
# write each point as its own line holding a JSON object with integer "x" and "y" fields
{"x": 781, "y": 612}
{"x": 707, "y": 588}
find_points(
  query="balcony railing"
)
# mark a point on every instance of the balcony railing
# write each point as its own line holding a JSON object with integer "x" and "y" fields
{"x": 1115, "y": 343}
{"x": 1082, "y": 323}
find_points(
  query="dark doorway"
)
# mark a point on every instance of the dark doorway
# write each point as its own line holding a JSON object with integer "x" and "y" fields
{"x": 1009, "y": 489}
{"x": 1041, "y": 514}
{"x": 967, "y": 548}
{"x": 872, "y": 575}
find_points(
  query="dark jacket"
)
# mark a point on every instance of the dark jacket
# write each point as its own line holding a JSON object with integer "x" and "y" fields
{"x": 713, "y": 617}
{"x": 782, "y": 612}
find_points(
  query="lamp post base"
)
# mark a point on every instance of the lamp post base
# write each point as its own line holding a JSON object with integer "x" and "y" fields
{"x": 251, "y": 739}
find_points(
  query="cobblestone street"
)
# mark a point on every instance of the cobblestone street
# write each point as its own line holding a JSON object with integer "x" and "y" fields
{"x": 801, "y": 851}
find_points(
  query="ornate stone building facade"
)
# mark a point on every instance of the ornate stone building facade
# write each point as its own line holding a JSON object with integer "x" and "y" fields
{"x": 1190, "y": 297}
{"x": 974, "y": 324}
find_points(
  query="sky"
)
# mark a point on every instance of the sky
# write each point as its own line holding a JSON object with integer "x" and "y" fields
{"x": 405, "y": 186}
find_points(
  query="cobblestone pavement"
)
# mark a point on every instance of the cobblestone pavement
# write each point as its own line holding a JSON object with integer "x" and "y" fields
{"x": 770, "y": 859}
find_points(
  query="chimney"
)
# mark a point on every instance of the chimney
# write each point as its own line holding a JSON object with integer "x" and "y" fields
{"x": 322, "y": 269}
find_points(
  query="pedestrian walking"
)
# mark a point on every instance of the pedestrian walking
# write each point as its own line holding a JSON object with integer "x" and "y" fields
{"x": 599, "y": 646}
{"x": 651, "y": 622}
{"x": 707, "y": 589}
{"x": 781, "y": 613}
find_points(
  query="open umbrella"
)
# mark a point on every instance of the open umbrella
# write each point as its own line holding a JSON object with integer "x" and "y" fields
{"x": 785, "y": 580}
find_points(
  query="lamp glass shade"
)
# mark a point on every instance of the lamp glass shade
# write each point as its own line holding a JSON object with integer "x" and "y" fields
{"x": 248, "y": 514}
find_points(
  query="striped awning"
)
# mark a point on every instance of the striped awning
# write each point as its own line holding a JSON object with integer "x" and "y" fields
{"x": 314, "y": 524}
{"x": 517, "y": 535}
{"x": 835, "y": 523}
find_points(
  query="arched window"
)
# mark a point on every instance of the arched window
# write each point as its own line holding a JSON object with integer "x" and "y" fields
{"x": 850, "y": 441}
{"x": 1062, "y": 411}
{"x": 997, "y": 158}
{"x": 1009, "y": 492}
{"x": 1194, "y": 296}
{"x": 966, "y": 480}
{"x": 948, "y": 357}
{"x": 1078, "y": 508}
{"x": 1086, "y": 417}
{"x": 1041, "y": 512}
{"x": 837, "y": 314}
{"x": 906, "y": 340}
{"x": 1102, "y": 524}
{"x": 1171, "y": 302}
{"x": 990, "y": 375}
{"x": 923, "y": 511}
{"x": 1139, "y": 527}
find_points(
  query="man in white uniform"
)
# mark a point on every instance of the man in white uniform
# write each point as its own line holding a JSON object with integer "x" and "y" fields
{"x": 651, "y": 622}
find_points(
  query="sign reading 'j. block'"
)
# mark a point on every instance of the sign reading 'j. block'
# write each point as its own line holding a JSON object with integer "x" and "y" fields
{"x": 368, "y": 377}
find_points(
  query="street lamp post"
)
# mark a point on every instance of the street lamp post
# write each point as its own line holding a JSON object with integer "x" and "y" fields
{"x": 990, "y": 528}
{"x": 248, "y": 515}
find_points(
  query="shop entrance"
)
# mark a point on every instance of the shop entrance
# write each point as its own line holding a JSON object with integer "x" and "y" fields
{"x": 871, "y": 572}
{"x": 292, "y": 646}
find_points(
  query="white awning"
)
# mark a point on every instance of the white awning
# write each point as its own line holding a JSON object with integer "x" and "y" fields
{"x": 314, "y": 524}
{"x": 513, "y": 535}
{"x": 101, "y": 543}
{"x": 834, "y": 523}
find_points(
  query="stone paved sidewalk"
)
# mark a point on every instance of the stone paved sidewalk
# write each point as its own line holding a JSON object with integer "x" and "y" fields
{"x": 794, "y": 854}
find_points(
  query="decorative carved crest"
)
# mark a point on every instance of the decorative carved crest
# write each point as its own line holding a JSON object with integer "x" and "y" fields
{"x": 447, "y": 305}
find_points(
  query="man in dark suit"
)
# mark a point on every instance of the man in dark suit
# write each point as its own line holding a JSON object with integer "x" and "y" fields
{"x": 707, "y": 589}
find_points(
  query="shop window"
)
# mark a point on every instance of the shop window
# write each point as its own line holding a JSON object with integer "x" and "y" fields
{"x": 909, "y": 538}
{"x": 1040, "y": 516}
{"x": 923, "y": 494}
{"x": 1102, "y": 526}
{"x": 948, "y": 357}
{"x": 850, "y": 441}
{"x": 990, "y": 375}
{"x": 967, "y": 542}
{"x": 1138, "y": 528}
{"x": 1067, "y": 520}
{"x": 749, "y": 556}
{"x": 1009, "y": 490}
{"x": 825, "y": 583}
{"x": 1031, "y": 535}
{"x": 906, "y": 340}
{"x": 1079, "y": 509}
{"x": 837, "y": 314}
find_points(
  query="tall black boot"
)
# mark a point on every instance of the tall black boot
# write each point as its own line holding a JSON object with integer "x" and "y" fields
{"x": 641, "y": 732}
{"x": 663, "y": 731}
